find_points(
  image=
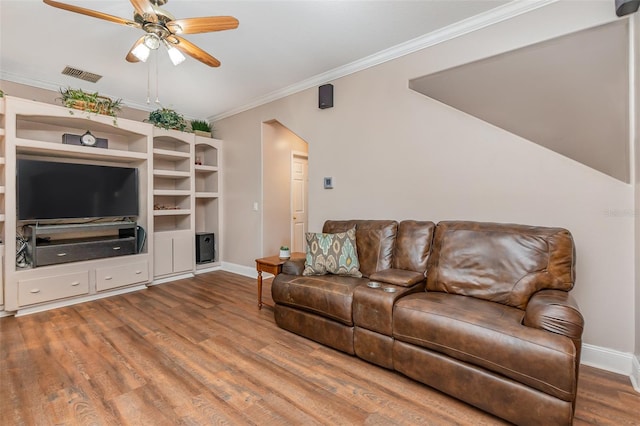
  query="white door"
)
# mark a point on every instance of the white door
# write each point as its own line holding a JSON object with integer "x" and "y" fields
{"x": 299, "y": 187}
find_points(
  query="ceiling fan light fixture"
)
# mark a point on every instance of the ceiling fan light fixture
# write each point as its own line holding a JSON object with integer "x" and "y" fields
{"x": 161, "y": 26}
{"x": 151, "y": 41}
{"x": 174, "y": 54}
{"x": 141, "y": 52}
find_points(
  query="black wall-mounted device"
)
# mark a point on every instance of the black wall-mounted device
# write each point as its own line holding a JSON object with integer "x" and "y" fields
{"x": 325, "y": 96}
{"x": 626, "y": 7}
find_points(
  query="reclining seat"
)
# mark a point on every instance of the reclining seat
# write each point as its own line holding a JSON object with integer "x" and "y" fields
{"x": 373, "y": 304}
{"x": 496, "y": 327}
{"x": 320, "y": 307}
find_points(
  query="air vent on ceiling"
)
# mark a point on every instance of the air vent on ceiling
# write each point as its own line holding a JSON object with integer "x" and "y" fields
{"x": 82, "y": 75}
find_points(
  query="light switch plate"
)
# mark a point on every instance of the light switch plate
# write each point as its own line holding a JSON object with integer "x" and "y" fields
{"x": 328, "y": 183}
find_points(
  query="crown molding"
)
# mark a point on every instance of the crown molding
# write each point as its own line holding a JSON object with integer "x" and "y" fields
{"x": 466, "y": 26}
{"x": 474, "y": 23}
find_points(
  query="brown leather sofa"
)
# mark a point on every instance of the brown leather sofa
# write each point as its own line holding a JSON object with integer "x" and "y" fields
{"x": 480, "y": 311}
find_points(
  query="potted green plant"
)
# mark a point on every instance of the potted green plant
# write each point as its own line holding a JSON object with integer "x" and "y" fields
{"x": 201, "y": 128}
{"x": 285, "y": 253}
{"x": 89, "y": 102}
{"x": 167, "y": 118}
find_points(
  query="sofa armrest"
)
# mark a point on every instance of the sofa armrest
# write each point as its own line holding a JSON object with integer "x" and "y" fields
{"x": 293, "y": 266}
{"x": 555, "y": 311}
{"x": 399, "y": 277}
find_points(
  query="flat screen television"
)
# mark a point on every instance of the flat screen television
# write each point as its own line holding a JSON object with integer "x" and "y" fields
{"x": 53, "y": 190}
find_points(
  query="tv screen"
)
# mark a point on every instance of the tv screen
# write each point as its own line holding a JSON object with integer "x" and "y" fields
{"x": 52, "y": 190}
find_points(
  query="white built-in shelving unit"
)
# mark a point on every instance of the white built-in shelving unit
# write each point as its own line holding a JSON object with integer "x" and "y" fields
{"x": 173, "y": 201}
{"x": 177, "y": 198}
{"x": 34, "y": 130}
{"x": 208, "y": 193}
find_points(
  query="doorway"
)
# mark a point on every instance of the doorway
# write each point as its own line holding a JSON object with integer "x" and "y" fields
{"x": 299, "y": 202}
{"x": 282, "y": 151}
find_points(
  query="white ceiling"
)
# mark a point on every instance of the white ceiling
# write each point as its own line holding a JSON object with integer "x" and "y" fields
{"x": 278, "y": 45}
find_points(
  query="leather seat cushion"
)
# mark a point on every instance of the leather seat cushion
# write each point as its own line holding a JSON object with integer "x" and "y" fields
{"x": 330, "y": 296}
{"x": 489, "y": 335}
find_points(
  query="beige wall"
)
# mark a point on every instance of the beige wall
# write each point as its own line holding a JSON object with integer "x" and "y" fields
{"x": 278, "y": 143}
{"x": 394, "y": 153}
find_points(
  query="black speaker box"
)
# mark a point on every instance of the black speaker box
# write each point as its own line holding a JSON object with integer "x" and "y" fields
{"x": 325, "y": 96}
{"x": 204, "y": 247}
{"x": 626, "y": 7}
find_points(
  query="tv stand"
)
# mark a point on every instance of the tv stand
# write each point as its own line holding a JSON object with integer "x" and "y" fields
{"x": 64, "y": 243}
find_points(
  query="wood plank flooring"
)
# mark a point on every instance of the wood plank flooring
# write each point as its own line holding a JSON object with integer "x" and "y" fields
{"x": 199, "y": 352}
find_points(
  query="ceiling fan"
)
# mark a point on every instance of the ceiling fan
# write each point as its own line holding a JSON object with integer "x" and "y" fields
{"x": 161, "y": 27}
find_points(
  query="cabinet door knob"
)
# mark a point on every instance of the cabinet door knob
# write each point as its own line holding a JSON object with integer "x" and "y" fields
{"x": 117, "y": 248}
{"x": 108, "y": 278}
{"x": 138, "y": 272}
{"x": 35, "y": 290}
{"x": 62, "y": 254}
{"x": 75, "y": 283}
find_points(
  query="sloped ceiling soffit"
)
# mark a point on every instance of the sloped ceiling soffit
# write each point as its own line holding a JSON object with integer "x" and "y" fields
{"x": 569, "y": 94}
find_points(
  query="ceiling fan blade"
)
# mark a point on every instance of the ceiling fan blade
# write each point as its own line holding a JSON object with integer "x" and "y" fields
{"x": 130, "y": 56}
{"x": 145, "y": 9}
{"x": 92, "y": 13}
{"x": 192, "y": 50}
{"x": 204, "y": 24}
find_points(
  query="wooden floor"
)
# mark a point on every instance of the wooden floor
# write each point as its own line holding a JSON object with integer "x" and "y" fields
{"x": 198, "y": 352}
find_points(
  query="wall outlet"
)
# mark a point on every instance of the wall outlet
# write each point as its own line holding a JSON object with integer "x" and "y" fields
{"x": 255, "y": 206}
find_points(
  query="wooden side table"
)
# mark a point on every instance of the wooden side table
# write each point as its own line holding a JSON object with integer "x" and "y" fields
{"x": 271, "y": 265}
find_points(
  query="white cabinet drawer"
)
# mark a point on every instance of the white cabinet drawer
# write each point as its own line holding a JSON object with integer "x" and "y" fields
{"x": 119, "y": 276}
{"x": 37, "y": 290}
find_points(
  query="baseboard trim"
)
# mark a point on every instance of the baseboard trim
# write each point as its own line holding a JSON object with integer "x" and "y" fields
{"x": 158, "y": 281}
{"x": 69, "y": 302}
{"x": 635, "y": 373}
{"x": 607, "y": 359}
{"x": 205, "y": 270}
{"x": 246, "y": 271}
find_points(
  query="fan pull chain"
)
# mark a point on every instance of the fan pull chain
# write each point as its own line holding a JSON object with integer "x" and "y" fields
{"x": 148, "y": 83}
{"x": 157, "y": 94}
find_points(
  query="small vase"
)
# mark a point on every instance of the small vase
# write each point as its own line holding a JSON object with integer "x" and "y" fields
{"x": 285, "y": 254}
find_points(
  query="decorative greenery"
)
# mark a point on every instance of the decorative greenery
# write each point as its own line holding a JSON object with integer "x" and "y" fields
{"x": 201, "y": 125}
{"x": 89, "y": 102}
{"x": 284, "y": 252}
{"x": 167, "y": 119}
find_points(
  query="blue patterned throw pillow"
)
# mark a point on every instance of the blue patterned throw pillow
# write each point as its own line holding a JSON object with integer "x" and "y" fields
{"x": 332, "y": 253}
